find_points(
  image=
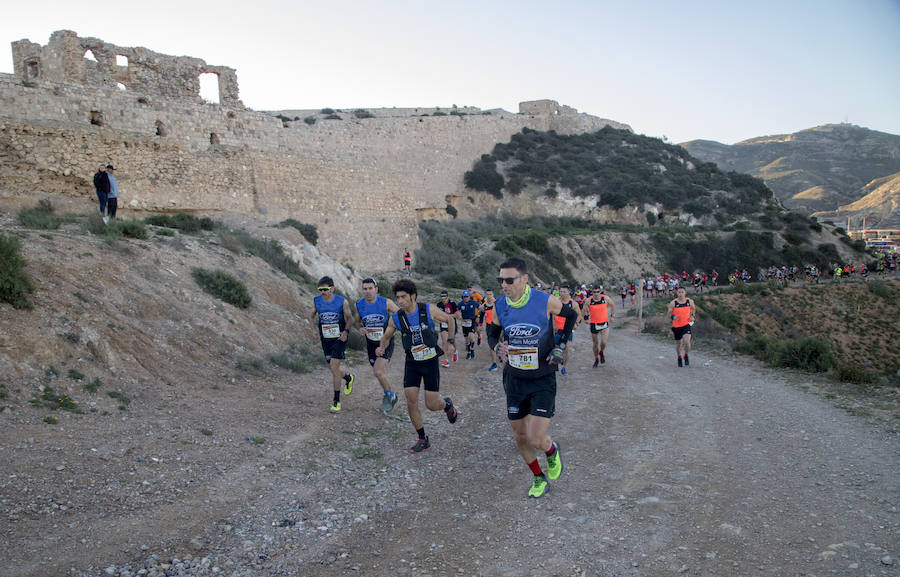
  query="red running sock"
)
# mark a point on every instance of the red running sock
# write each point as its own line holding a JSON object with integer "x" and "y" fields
{"x": 535, "y": 468}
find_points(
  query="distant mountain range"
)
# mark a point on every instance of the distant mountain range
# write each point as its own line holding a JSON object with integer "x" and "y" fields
{"x": 823, "y": 171}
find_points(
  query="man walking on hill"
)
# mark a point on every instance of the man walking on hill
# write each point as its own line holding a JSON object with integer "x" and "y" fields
{"x": 530, "y": 351}
{"x": 330, "y": 313}
{"x": 101, "y": 184}
{"x": 373, "y": 313}
{"x": 416, "y": 325}
{"x": 112, "y": 199}
{"x": 599, "y": 312}
{"x": 681, "y": 311}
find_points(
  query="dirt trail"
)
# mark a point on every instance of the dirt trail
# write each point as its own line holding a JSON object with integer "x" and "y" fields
{"x": 722, "y": 468}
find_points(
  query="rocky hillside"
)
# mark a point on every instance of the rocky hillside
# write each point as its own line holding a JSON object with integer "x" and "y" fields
{"x": 818, "y": 169}
{"x": 878, "y": 208}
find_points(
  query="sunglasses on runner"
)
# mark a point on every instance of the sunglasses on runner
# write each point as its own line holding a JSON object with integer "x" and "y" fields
{"x": 325, "y": 288}
{"x": 507, "y": 279}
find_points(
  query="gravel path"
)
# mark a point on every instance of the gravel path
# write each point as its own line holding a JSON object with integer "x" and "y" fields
{"x": 722, "y": 468}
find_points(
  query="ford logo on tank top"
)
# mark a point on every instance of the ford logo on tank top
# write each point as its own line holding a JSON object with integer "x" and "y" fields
{"x": 523, "y": 331}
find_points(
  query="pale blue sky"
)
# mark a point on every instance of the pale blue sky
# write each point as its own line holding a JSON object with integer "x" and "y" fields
{"x": 720, "y": 70}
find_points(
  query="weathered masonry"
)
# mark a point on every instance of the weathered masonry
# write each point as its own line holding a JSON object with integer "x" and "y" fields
{"x": 364, "y": 180}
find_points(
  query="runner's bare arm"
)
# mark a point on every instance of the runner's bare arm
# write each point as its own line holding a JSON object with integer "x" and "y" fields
{"x": 386, "y": 337}
{"x": 494, "y": 330}
{"x": 351, "y": 317}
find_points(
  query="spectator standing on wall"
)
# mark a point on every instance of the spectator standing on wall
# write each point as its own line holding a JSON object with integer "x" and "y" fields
{"x": 101, "y": 184}
{"x": 407, "y": 261}
{"x": 112, "y": 201}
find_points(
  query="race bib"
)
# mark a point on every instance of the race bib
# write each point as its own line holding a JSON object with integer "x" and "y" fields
{"x": 467, "y": 323}
{"x": 524, "y": 358}
{"x": 374, "y": 334}
{"x": 445, "y": 326}
{"x": 331, "y": 331}
{"x": 600, "y": 326}
{"x": 423, "y": 353}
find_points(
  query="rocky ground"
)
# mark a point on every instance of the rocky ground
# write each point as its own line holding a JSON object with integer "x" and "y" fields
{"x": 722, "y": 468}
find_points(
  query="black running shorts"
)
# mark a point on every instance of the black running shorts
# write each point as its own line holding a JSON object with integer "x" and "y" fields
{"x": 681, "y": 331}
{"x": 333, "y": 348}
{"x": 372, "y": 345}
{"x": 428, "y": 372}
{"x": 597, "y": 327}
{"x": 529, "y": 396}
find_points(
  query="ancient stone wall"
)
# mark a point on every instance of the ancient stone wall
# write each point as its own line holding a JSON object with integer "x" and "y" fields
{"x": 364, "y": 182}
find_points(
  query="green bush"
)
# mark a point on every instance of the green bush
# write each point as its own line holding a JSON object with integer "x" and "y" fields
{"x": 310, "y": 120}
{"x": 181, "y": 221}
{"x": 40, "y": 216}
{"x": 14, "y": 285}
{"x": 451, "y": 210}
{"x": 856, "y": 374}
{"x": 454, "y": 279}
{"x": 807, "y": 354}
{"x": 268, "y": 250}
{"x": 327, "y": 111}
{"x": 880, "y": 288}
{"x": 484, "y": 176}
{"x": 362, "y": 113}
{"x": 295, "y": 359}
{"x": 130, "y": 228}
{"x": 309, "y": 231}
{"x": 223, "y": 286}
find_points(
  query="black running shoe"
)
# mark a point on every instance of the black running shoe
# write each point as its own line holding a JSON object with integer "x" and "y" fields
{"x": 420, "y": 446}
{"x": 687, "y": 361}
{"x": 451, "y": 412}
{"x": 680, "y": 363}
{"x": 596, "y": 361}
{"x": 602, "y": 358}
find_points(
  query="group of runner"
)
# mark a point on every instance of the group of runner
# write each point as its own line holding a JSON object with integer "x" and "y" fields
{"x": 521, "y": 333}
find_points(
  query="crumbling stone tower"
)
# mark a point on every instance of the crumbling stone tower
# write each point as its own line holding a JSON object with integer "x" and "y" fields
{"x": 63, "y": 60}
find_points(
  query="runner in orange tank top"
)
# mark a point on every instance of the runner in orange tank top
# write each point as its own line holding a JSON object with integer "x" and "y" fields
{"x": 681, "y": 311}
{"x": 600, "y": 311}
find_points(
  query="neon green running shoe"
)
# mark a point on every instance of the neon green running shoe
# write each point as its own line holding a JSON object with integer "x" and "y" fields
{"x": 348, "y": 383}
{"x": 554, "y": 464}
{"x": 336, "y": 407}
{"x": 539, "y": 486}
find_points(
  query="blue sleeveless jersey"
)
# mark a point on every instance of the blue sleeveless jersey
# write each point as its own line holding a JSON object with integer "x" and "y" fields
{"x": 528, "y": 329}
{"x": 373, "y": 315}
{"x": 467, "y": 310}
{"x": 331, "y": 313}
{"x": 413, "y": 319}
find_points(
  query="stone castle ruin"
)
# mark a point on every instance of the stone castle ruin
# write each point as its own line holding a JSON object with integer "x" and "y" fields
{"x": 364, "y": 180}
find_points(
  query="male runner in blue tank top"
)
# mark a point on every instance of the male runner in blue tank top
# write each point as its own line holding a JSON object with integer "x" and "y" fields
{"x": 373, "y": 313}
{"x": 531, "y": 352}
{"x": 468, "y": 318}
{"x": 330, "y": 313}
{"x": 422, "y": 353}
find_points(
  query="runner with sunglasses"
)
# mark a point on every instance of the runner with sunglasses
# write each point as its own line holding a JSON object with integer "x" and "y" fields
{"x": 330, "y": 314}
{"x": 531, "y": 351}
